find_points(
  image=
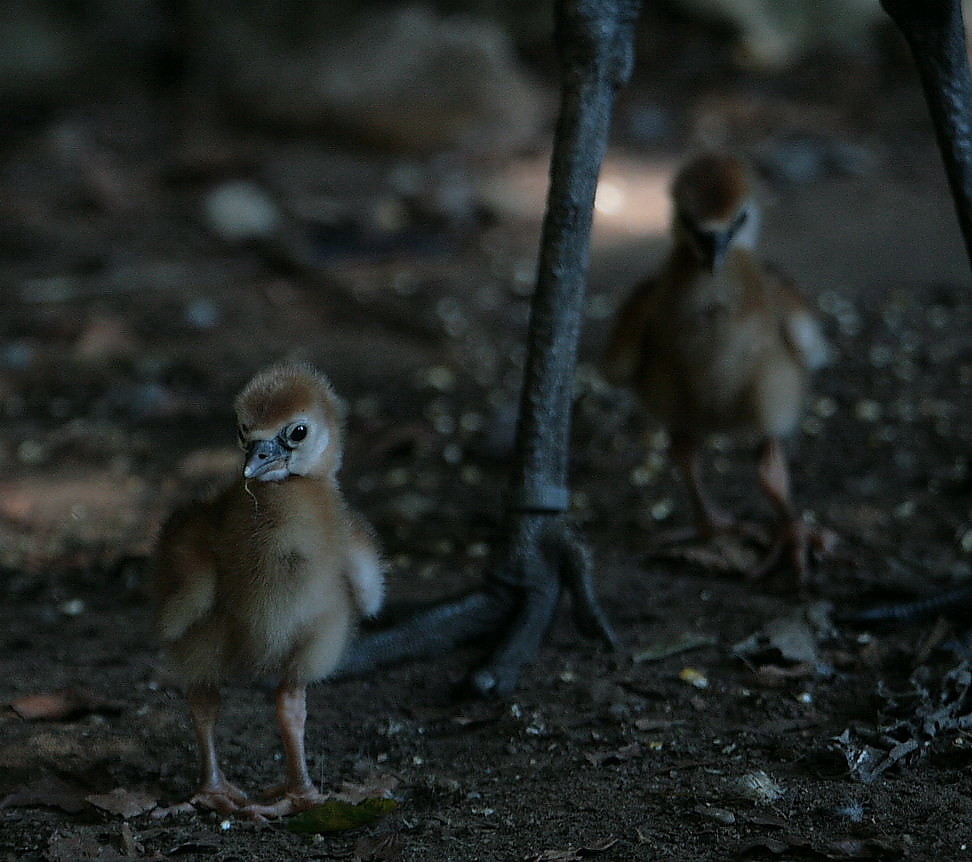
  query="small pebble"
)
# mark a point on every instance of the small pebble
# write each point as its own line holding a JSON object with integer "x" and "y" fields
{"x": 758, "y": 787}
{"x": 694, "y": 677}
{"x": 240, "y": 211}
{"x": 72, "y": 607}
{"x": 662, "y": 509}
{"x": 440, "y": 378}
{"x": 720, "y": 815}
{"x": 867, "y": 411}
{"x": 203, "y": 314}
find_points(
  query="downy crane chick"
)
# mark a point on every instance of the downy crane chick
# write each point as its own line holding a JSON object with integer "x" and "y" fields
{"x": 716, "y": 342}
{"x": 267, "y": 577}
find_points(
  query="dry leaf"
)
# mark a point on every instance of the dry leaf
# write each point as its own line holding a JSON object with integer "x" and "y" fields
{"x": 376, "y": 787}
{"x": 792, "y": 637}
{"x": 60, "y": 705}
{"x": 337, "y": 816}
{"x": 775, "y": 676}
{"x": 46, "y": 793}
{"x": 129, "y": 844}
{"x": 123, "y": 803}
{"x": 758, "y": 787}
{"x": 663, "y": 649}
{"x": 54, "y": 706}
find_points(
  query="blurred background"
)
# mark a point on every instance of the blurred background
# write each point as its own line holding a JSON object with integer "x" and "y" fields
{"x": 191, "y": 189}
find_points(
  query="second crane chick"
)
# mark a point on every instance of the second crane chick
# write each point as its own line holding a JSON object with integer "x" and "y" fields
{"x": 267, "y": 577}
{"x": 716, "y": 342}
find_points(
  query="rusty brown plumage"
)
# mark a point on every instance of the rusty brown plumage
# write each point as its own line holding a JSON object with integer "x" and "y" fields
{"x": 718, "y": 342}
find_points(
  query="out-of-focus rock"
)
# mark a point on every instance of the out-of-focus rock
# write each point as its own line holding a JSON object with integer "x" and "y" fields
{"x": 35, "y": 54}
{"x": 407, "y": 80}
{"x": 241, "y": 211}
{"x": 53, "y": 50}
{"x": 801, "y": 159}
{"x": 105, "y": 337}
{"x": 774, "y": 35}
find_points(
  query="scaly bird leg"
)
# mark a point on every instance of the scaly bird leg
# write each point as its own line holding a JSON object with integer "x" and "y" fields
{"x": 936, "y": 34}
{"x": 298, "y": 793}
{"x": 541, "y": 556}
{"x": 935, "y": 31}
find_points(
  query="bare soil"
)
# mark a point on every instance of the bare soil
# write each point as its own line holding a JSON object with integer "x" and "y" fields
{"x": 127, "y": 327}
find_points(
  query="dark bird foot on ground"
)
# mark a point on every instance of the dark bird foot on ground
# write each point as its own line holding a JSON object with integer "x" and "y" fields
{"x": 514, "y": 609}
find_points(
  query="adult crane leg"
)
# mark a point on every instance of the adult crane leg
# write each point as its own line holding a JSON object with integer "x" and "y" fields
{"x": 540, "y": 556}
{"x": 935, "y": 32}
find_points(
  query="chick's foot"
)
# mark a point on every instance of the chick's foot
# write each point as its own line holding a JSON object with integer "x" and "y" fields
{"x": 797, "y": 545}
{"x": 291, "y": 802}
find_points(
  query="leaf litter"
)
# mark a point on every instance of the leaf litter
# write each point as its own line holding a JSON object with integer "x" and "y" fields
{"x": 336, "y": 815}
{"x": 934, "y": 704}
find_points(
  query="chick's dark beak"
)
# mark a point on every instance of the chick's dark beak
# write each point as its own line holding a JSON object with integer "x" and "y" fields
{"x": 714, "y": 246}
{"x": 263, "y": 456}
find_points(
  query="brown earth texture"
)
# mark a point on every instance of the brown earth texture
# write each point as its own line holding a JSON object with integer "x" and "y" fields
{"x": 739, "y": 720}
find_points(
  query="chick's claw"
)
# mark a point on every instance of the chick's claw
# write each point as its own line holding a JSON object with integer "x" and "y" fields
{"x": 223, "y": 800}
{"x": 291, "y": 803}
{"x": 798, "y": 544}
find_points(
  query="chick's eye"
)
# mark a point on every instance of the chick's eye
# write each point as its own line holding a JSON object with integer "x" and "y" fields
{"x": 297, "y": 433}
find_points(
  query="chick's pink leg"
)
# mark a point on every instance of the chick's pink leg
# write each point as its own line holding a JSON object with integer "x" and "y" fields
{"x": 298, "y": 793}
{"x": 709, "y": 519}
{"x": 795, "y": 537}
{"x": 292, "y": 717}
{"x": 214, "y": 791}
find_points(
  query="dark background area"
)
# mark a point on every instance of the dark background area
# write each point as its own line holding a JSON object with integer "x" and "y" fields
{"x": 191, "y": 190}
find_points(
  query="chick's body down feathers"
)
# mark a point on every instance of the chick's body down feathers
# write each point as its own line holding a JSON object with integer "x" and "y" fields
{"x": 718, "y": 342}
{"x": 269, "y": 576}
{"x": 732, "y": 353}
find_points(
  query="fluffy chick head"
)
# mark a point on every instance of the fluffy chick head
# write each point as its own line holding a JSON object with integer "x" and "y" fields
{"x": 289, "y": 423}
{"x": 714, "y": 207}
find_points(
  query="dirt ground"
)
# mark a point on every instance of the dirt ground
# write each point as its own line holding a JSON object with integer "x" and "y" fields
{"x": 738, "y": 722}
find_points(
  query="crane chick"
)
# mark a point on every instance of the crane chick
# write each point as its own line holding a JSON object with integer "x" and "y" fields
{"x": 267, "y": 577}
{"x": 716, "y": 342}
